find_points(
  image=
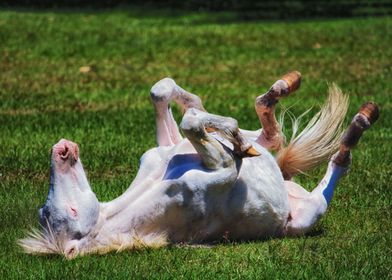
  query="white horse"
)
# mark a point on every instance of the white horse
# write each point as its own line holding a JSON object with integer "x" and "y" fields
{"x": 219, "y": 181}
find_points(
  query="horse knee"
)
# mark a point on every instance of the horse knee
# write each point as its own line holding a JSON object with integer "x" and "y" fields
{"x": 191, "y": 123}
{"x": 163, "y": 90}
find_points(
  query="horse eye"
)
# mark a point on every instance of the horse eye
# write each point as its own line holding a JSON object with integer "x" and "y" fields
{"x": 77, "y": 235}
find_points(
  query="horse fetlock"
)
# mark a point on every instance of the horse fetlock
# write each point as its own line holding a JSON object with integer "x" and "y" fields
{"x": 266, "y": 100}
{"x": 342, "y": 158}
{"x": 286, "y": 85}
{"x": 281, "y": 88}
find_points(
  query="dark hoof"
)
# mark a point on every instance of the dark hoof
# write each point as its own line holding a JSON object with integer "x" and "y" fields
{"x": 370, "y": 111}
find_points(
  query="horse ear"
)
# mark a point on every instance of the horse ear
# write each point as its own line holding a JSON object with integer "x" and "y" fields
{"x": 71, "y": 249}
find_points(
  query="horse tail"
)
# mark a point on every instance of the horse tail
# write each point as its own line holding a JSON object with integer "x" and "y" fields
{"x": 318, "y": 140}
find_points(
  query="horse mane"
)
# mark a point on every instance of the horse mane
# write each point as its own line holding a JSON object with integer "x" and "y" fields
{"x": 44, "y": 242}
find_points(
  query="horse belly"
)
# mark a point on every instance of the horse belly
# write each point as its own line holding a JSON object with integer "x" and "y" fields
{"x": 259, "y": 200}
{"x": 255, "y": 207}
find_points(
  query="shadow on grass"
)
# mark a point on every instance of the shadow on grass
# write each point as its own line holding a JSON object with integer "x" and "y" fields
{"x": 316, "y": 232}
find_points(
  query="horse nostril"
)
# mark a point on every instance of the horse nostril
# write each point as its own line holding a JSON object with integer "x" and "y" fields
{"x": 64, "y": 154}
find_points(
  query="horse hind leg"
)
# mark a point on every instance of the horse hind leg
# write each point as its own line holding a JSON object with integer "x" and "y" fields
{"x": 271, "y": 136}
{"x": 307, "y": 208}
{"x": 162, "y": 93}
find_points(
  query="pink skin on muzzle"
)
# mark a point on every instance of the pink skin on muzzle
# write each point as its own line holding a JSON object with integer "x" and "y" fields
{"x": 65, "y": 154}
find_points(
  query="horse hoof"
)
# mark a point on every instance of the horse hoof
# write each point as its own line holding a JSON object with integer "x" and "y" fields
{"x": 370, "y": 111}
{"x": 293, "y": 80}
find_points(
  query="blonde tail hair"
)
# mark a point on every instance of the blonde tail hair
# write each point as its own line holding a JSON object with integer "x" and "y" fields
{"x": 319, "y": 139}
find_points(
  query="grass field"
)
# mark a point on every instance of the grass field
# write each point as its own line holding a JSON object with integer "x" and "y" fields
{"x": 45, "y": 97}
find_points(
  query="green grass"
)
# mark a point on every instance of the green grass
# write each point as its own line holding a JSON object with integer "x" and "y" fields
{"x": 44, "y": 97}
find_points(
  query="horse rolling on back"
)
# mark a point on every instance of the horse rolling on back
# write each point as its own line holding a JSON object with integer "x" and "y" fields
{"x": 217, "y": 180}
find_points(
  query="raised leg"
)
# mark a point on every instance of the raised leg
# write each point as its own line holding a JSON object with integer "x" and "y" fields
{"x": 162, "y": 93}
{"x": 196, "y": 124}
{"x": 218, "y": 168}
{"x": 271, "y": 136}
{"x": 307, "y": 208}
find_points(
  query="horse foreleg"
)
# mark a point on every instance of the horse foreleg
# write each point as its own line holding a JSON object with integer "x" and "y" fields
{"x": 167, "y": 129}
{"x": 162, "y": 93}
